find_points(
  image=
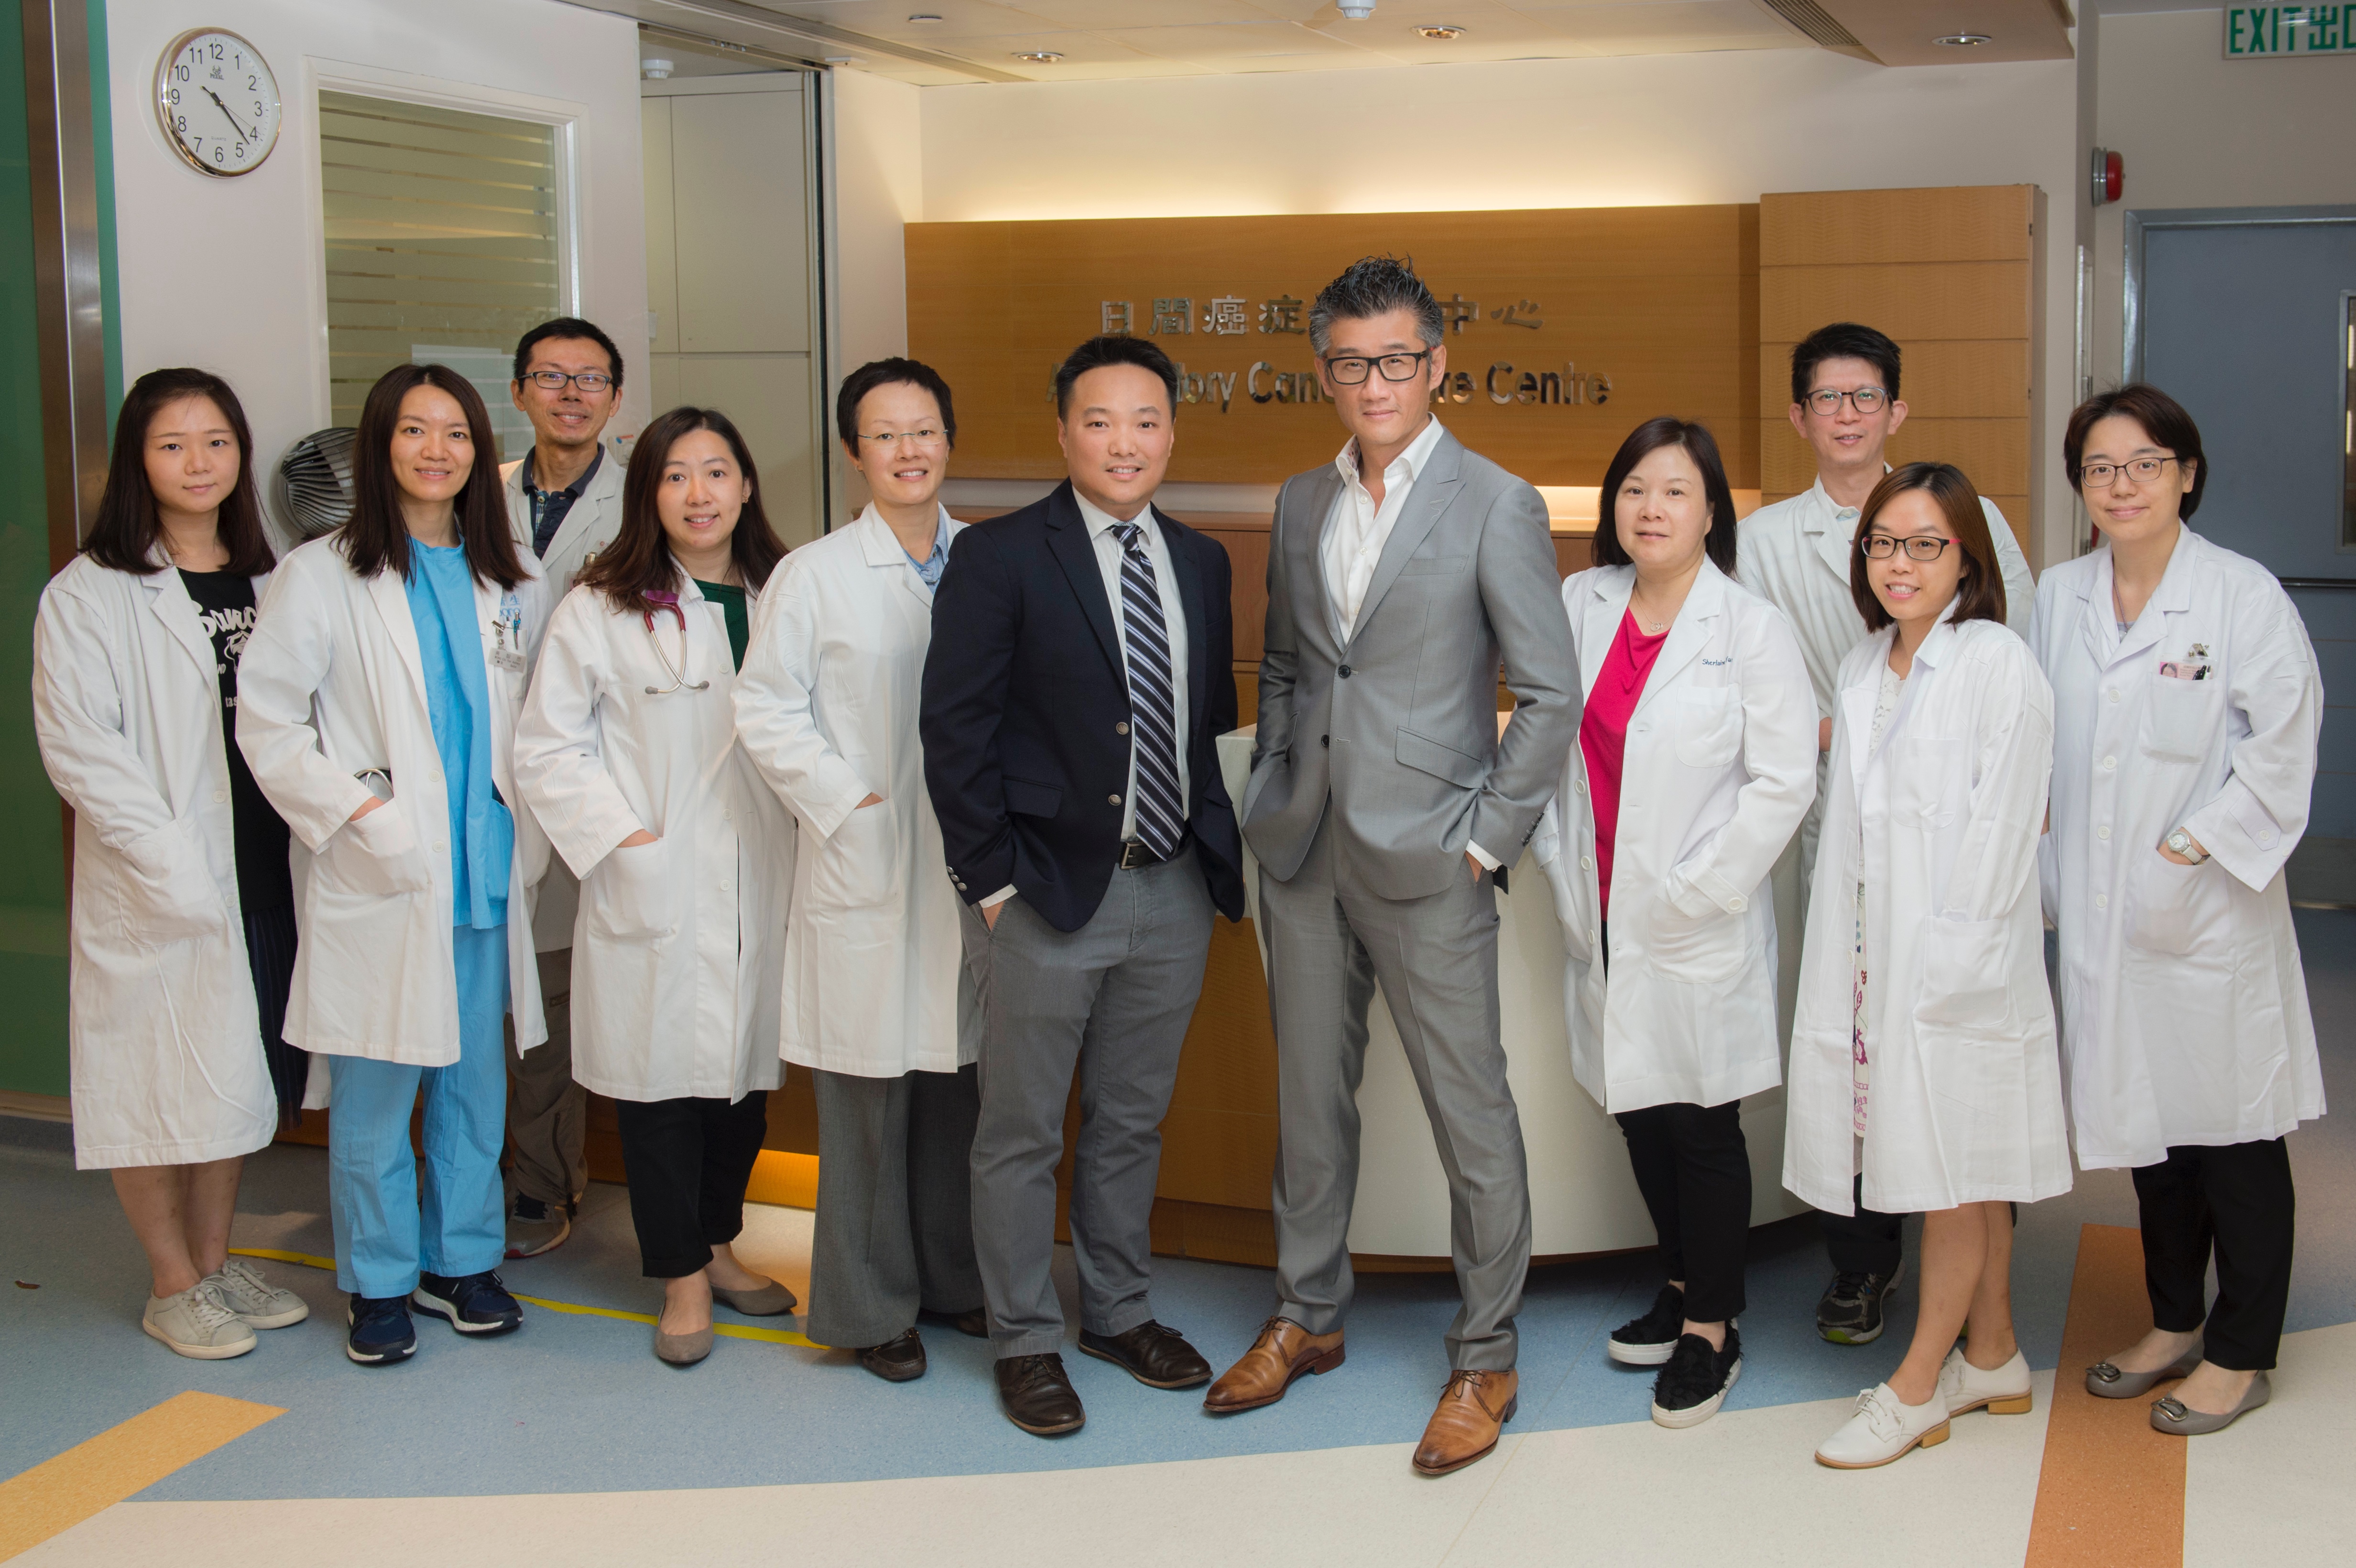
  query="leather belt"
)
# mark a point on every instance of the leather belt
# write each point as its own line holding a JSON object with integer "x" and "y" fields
{"x": 1135, "y": 855}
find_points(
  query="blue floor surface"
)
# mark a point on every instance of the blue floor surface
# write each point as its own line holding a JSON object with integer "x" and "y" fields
{"x": 578, "y": 1404}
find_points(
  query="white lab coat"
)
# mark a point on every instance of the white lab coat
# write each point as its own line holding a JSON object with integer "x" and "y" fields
{"x": 1720, "y": 766}
{"x": 332, "y": 685}
{"x": 1943, "y": 820}
{"x": 2184, "y": 1011}
{"x": 827, "y": 708}
{"x": 165, "y": 1036}
{"x": 678, "y": 944}
{"x": 587, "y": 529}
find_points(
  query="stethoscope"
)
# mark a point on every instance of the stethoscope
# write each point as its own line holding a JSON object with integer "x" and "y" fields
{"x": 678, "y": 673}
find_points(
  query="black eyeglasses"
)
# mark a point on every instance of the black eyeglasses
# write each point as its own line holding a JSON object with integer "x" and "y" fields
{"x": 1881, "y": 546}
{"x": 554, "y": 380}
{"x": 1350, "y": 369}
{"x": 1826, "y": 402}
{"x": 2143, "y": 471}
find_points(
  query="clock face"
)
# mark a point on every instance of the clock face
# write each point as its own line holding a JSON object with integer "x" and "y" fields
{"x": 217, "y": 100}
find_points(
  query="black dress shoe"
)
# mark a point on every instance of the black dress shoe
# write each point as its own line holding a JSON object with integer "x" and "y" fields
{"x": 898, "y": 1360}
{"x": 1154, "y": 1356}
{"x": 1036, "y": 1394}
{"x": 973, "y": 1325}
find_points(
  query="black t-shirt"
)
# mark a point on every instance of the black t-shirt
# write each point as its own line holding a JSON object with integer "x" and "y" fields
{"x": 225, "y": 610}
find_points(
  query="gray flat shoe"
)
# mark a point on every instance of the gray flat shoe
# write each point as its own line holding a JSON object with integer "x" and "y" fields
{"x": 2173, "y": 1416}
{"x": 682, "y": 1349}
{"x": 2104, "y": 1381}
{"x": 769, "y": 1301}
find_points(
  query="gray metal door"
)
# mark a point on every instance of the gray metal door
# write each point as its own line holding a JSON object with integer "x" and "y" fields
{"x": 2242, "y": 317}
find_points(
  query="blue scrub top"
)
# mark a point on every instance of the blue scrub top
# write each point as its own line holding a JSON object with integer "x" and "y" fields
{"x": 458, "y": 702}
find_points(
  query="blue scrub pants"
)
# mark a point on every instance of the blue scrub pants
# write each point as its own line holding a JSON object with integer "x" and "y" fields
{"x": 383, "y": 1233}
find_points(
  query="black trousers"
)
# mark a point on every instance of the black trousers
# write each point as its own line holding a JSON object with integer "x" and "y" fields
{"x": 2234, "y": 1200}
{"x": 1695, "y": 1172}
{"x": 269, "y": 953}
{"x": 1867, "y": 1242}
{"x": 687, "y": 1162}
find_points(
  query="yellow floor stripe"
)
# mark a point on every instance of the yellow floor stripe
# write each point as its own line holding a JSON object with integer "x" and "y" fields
{"x": 121, "y": 1462}
{"x": 725, "y": 1330}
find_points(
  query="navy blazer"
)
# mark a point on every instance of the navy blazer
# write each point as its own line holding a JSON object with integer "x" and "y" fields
{"x": 1025, "y": 712}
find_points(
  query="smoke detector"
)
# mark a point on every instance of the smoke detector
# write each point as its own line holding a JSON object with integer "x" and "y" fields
{"x": 1355, "y": 10}
{"x": 655, "y": 69}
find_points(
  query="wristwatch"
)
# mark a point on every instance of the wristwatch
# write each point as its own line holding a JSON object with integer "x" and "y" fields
{"x": 2180, "y": 842}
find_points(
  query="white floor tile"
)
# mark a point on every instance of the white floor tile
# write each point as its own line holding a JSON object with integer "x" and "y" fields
{"x": 2273, "y": 1487}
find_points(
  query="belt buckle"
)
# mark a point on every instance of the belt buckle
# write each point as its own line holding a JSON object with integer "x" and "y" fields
{"x": 1133, "y": 854}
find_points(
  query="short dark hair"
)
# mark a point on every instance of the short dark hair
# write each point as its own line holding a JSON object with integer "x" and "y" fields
{"x": 890, "y": 373}
{"x": 1702, "y": 447}
{"x": 1980, "y": 596}
{"x": 639, "y": 562}
{"x": 566, "y": 326}
{"x": 377, "y": 538}
{"x": 1843, "y": 340}
{"x": 1369, "y": 287}
{"x": 123, "y": 534}
{"x": 1113, "y": 349}
{"x": 2163, "y": 419}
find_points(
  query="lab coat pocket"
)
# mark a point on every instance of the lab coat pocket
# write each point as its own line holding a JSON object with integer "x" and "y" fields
{"x": 1706, "y": 951}
{"x": 378, "y": 855}
{"x": 2181, "y": 717}
{"x": 1709, "y": 725}
{"x": 631, "y": 896}
{"x": 169, "y": 894}
{"x": 2174, "y": 906}
{"x": 858, "y": 867}
{"x": 1928, "y": 777}
{"x": 1965, "y": 966}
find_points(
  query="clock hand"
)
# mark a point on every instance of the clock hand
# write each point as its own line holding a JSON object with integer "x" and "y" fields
{"x": 208, "y": 93}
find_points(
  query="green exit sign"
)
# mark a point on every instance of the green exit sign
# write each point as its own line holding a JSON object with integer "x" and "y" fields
{"x": 2270, "y": 32}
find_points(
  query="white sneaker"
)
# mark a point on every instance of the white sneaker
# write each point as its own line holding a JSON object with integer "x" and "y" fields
{"x": 239, "y": 1286}
{"x": 2001, "y": 1391}
{"x": 196, "y": 1325}
{"x": 1883, "y": 1428}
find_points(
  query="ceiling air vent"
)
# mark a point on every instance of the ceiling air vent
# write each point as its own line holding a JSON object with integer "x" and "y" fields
{"x": 1813, "y": 20}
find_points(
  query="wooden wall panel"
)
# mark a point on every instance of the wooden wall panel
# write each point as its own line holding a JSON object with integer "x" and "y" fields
{"x": 1910, "y": 300}
{"x": 1936, "y": 223}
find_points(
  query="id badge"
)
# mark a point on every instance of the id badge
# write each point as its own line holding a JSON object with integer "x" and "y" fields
{"x": 507, "y": 633}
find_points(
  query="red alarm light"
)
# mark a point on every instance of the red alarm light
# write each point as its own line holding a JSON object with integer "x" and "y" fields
{"x": 2109, "y": 177}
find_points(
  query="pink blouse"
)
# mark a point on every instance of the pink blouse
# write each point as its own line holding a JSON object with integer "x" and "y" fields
{"x": 1603, "y": 734}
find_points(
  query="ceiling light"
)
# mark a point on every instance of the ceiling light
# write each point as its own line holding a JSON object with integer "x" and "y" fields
{"x": 1039, "y": 57}
{"x": 1355, "y": 10}
{"x": 1962, "y": 40}
{"x": 842, "y": 59}
{"x": 1440, "y": 32}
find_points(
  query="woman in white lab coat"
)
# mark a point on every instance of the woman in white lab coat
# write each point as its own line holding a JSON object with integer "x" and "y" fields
{"x": 1923, "y": 1050}
{"x": 183, "y": 925}
{"x": 879, "y": 1004}
{"x": 1697, "y": 760}
{"x": 2187, "y": 711}
{"x": 377, "y": 707}
{"x": 626, "y": 754}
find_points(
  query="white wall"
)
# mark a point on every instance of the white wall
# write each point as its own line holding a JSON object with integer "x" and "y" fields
{"x": 229, "y": 274}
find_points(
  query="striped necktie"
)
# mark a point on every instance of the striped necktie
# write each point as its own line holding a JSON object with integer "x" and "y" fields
{"x": 1154, "y": 713}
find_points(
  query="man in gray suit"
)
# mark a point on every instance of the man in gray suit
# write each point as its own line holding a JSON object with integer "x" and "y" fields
{"x": 1385, "y": 807}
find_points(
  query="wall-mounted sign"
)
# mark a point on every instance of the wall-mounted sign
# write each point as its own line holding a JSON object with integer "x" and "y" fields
{"x": 1563, "y": 329}
{"x": 2271, "y": 32}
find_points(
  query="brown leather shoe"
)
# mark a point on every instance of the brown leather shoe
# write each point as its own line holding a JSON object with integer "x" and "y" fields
{"x": 1155, "y": 1356}
{"x": 1037, "y": 1395}
{"x": 1472, "y": 1407}
{"x": 1284, "y": 1351}
{"x": 899, "y": 1359}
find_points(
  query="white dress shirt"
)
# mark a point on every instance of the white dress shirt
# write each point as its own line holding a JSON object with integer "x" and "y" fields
{"x": 1359, "y": 529}
{"x": 1101, "y": 525}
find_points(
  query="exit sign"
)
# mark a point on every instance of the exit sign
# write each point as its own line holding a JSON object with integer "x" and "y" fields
{"x": 2270, "y": 32}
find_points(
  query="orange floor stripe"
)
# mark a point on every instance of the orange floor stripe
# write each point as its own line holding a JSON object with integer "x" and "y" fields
{"x": 787, "y": 1180}
{"x": 121, "y": 1462}
{"x": 2112, "y": 1490}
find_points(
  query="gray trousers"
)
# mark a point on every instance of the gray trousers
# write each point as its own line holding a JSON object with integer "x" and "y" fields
{"x": 894, "y": 1229}
{"x": 1110, "y": 1001}
{"x": 1329, "y": 941}
{"x": 548, "y": 1113}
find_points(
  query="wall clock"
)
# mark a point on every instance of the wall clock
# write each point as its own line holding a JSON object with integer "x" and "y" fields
{"x": 217, "y": 100}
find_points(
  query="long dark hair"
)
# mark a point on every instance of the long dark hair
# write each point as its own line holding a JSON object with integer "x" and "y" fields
{"x": 123, "y": 535}
{"x": 1979, "y": 595}
{"x": 377, "y": 540}
{"x": 638, "y": 562}
{"x": 1702, "y": 447}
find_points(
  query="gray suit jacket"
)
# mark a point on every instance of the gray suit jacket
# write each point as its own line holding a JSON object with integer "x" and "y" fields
{"x": 1398, "y": 726}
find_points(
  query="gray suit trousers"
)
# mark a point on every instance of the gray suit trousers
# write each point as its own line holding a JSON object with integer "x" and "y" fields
{"x": 1110, "y": 1001}
{"x": 894, "y": 1229}
{"x": 1330, "y": 939}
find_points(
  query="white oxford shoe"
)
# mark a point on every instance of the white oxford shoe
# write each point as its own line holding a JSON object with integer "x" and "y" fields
{"x": 1884, "y": 1427}
{"x": 2000, "y": 1391}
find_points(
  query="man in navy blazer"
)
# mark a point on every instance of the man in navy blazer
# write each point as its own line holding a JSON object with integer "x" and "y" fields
{"x": 1080, "y": 674}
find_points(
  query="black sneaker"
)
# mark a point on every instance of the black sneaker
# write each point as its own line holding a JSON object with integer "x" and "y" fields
{"x": 1697, "y": 1380}
{"x": 1851, "y": 1311}
{"x": 472, "y": 1302}
{"x": 381, "y": 1333}
{"x": 1647, "y": 1342}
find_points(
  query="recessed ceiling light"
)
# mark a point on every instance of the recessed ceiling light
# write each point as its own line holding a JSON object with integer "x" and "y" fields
{"x": 1440, "y": 32}
{"x": 924, "y": 16}
{"x": 1039, "y": 57}
{"x": 1962, "y": 40}
{"x": 842, "y": 59}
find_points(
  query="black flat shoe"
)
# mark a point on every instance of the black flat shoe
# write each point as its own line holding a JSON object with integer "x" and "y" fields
{"x": 1154, "y": 1356}
{"x": 899, "y": 1359}
{"x": 1036, "y": 1394}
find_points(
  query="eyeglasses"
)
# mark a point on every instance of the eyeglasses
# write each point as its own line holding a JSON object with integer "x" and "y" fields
{"x": 919, "y": 440}
{"x": 1826, "y": 402}
{"x": 1881, "y": 546}
{"x": 1350, "y": 369}
{"x": 2143, "y": 471}
{"x": 591, "y": 381}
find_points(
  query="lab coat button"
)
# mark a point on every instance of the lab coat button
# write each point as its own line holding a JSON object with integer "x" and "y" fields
{"x": 2114, "y": 694}
{"x": 2266, "y": 835}
{"x": 1582, "y": 787}
{"x": 220, "y": 795}
{"x": 441, "y": 847}
{"x": 2102, "y": 901}
{"x": 1736, "y": 904}
{"x": 1585, "y": 863}
{"x": 2103, "y": 832}
{"x": 2110, "y": 764}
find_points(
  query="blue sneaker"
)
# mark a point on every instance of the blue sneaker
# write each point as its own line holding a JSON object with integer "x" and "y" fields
{"x": 472, "y": 1302}
{"x": 381, "y": 1333}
